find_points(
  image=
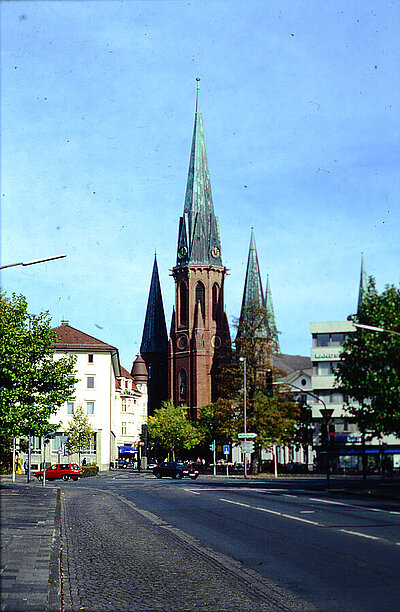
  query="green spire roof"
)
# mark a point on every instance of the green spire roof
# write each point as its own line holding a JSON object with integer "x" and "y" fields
{"x": 253, "y": 292}
{"x": 198, "y": 240}
{"x": 270, "y": 310}
{"x": 154, "y": 339}
{"x": 363, "y": 288}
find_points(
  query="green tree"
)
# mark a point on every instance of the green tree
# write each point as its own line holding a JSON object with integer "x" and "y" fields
{"x": 273, "y": 419}
{"x": 170, "y": 431}
{"x": 79, "y": 432}
{"x": 33, "y": 385}
{"x": 368, "y": 372}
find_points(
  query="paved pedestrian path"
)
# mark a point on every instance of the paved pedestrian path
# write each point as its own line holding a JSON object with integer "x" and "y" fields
{"x": 29, "y": 553}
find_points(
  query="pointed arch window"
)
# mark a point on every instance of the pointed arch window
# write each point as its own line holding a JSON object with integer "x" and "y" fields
{"x": 183, "y": 303}
{"x": 215, "y": 301}
{"x": 182, "y": 385}
{"x": 201, "y": 298}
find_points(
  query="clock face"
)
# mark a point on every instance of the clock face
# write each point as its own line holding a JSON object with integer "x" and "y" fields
{"x": 215, "y": 252}
{"x": 182, "y": 252}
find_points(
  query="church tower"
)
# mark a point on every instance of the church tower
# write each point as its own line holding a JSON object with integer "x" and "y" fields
{"x": 199, "y": 329}
{"x": 254, "y": 300}
{"x": 154, "y": 346}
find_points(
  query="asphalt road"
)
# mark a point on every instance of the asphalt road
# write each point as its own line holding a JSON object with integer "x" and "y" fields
{"x": 338, "y": 553}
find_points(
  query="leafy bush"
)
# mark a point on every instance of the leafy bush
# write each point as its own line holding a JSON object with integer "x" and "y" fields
{"x": 89, "y": 470}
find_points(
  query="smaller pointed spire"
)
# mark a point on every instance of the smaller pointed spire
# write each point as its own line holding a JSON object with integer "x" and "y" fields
{"x": 270, "y": 310}
{"x": 154, "y": 339}
{"x": 363, "y": 287}
{"x": 253, "y": 292}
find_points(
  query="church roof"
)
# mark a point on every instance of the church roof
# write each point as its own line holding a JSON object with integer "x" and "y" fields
{"x": 154, "y": 338}
{"x": 198, "y": 241}
{"x": 291, "y": 363}
{"x": 270, "y": 309}
{"x": 253, "y": 291}
{"x": 363, "y": 287}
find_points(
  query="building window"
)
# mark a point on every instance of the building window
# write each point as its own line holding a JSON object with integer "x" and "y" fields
{"x": 36, "y": 443}
{"x": 70, "y": 408}
{"x": 182, "y": 385}
{"x": 90, "y": 382}
{"x": 215, "y": 300}
{"x": 92, "y": 447}
{"x": 183, "y": 304}
{"x": 90, "y": 407}
{"x": 337, "y": 340}
{"x": 322, "y": 340}
{"x": 201, "y": 298}
{"x": 90, "y": 358}
{"x": 123, "y": 405}
{"x": 123, "y": 428}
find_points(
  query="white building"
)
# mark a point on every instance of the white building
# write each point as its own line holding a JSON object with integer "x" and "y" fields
{"x": 132, "y": 405}
{"x": 327, "y": 340}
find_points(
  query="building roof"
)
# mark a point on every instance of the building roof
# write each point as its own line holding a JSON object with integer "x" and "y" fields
{"x": 70, "y": 338}
{"x": 253, "y": 295}
{"x": 363, "y": 287}
{"x": 271, "y": 322}
{"x": 198, "y": 241}
{"x": 291, "y": 363}
{"x": 154, "y": 338}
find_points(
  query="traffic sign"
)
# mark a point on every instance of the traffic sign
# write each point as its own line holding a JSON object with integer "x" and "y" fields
{"x": 226, "y": 449}
{"x": 243, "y": 436}
{"x": 247, "y": 446}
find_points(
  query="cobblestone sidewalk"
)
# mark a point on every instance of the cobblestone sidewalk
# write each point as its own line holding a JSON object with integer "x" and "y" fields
{"x": 115, "y": 557}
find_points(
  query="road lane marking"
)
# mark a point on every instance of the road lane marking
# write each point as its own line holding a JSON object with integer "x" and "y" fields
{"x": 307, "y": 511}
{"x": 289, "y": 516}
{"x": 336, "y": 503}
{"x": 191, "y": 491}
{"x": 362, "y": 535}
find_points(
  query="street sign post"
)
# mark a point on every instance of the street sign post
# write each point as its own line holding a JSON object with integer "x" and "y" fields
{"x": 247, "y": 447}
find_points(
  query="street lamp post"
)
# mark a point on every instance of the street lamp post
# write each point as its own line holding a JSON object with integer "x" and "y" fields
{"x": 376, "y": 329}
{"x": 244, "y": 409}
{"x": 33, "y": 261}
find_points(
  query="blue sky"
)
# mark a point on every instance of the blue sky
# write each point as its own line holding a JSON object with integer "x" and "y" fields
{"x": 300, "y": 103}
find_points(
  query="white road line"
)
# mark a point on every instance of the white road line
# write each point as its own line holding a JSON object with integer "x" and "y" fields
{"x": 307, "y": 511}
{"x": 361, "y": 535}
{"x": 191, "y": 491}
{"x": 336, "y": 503}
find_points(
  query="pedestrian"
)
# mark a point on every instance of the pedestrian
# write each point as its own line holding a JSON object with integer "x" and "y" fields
{"x": 84, "y": 461}
{"x": 26, "y": 466}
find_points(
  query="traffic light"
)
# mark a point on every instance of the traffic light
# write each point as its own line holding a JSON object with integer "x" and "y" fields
{"x": 269, "y": 384}
{"x": 324, "y": 433}
{"x": 331, "y": 435}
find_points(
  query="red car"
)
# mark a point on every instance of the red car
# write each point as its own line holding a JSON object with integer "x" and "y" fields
{"x": 65, "y": 471}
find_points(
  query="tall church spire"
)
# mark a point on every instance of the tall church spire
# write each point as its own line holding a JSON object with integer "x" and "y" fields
{"x": 363, "y": 288}
{"x": 270, "y": 310}
{"x": 154, "y": 339}
{"x": 253, "y": 296}
{"x": 154, "y": 346}
{"x": 253, "y": 291}
{"x": 198, "y": 240}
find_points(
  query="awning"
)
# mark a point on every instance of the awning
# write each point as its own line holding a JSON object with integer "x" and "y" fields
{"x": 124, "y": 450}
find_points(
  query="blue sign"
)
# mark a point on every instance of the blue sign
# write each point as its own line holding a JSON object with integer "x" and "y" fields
{"x": 226, "y": 449}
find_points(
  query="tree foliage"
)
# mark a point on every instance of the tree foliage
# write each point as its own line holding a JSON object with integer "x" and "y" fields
{"x": 273, "y": 419}
{"x": 33, "y": 385}
{"x": 369, "y": 368}
{"x": 79, "y": 432}
{"x": 170, "y": 431}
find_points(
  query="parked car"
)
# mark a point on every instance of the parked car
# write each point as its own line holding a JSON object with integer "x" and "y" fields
{"x": 124, "y": 463}
{"x": 66, "y": 471}
{"x": 151, "y": 464}
{"x": 175, "y": 469}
